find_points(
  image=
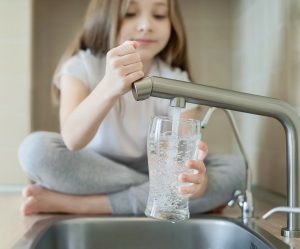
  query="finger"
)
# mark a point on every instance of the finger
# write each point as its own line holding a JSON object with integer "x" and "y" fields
{"x": 197, "y": 165}
{"x": 134, "y": 76}
{"x": 187, "y": 190}
{"x": 134, "y": 43}
{"x": 203, "y": 150}
{"x": 191, "y": 178}
{"x": 132, "y": 68}
{"x": 129, "y": 59}
{"x": 127, "y": 47}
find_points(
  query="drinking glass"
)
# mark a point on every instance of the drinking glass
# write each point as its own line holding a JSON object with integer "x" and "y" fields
{"x": 170, "y": 143}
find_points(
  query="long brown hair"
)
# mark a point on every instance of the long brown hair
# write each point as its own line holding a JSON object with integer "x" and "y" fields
{"x": 101, "y": 26}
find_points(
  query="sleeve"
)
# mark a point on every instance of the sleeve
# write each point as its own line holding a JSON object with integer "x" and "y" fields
{"x": 179, "y": 74}
{"x": 74, "y": 67}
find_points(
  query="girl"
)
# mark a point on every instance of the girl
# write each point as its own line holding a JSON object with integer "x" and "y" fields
{"x": 98, "y": 164}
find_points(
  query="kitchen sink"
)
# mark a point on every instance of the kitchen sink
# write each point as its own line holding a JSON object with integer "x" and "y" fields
{"x": 143, "y": 233}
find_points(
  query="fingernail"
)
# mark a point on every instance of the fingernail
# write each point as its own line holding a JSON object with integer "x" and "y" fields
{"x": 201, "y": 154}
{"x": 134, "y": 44}
{"x": 181, "y": 178}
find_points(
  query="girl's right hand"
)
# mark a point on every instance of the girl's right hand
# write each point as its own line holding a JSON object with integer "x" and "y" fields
{"x": 123, "y": 67}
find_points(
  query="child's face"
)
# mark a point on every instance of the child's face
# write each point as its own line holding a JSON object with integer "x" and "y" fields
{"x": 148, "y": 23}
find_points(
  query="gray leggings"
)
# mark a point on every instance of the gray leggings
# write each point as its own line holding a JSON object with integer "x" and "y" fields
{"x": 47, "y": 161}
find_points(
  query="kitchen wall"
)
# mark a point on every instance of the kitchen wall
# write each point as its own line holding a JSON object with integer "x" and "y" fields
{"x": 15, "y": 84}
{"x": 55, "y": 24}
{"x": 209, "y": 32}
{"x": 265, "y": 62}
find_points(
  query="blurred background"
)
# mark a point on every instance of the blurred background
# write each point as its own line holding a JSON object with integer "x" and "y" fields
{"x": 250, "y": 46}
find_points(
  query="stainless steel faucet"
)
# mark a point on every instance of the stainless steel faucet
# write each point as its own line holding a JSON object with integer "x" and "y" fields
{"x": 242, "y": 102}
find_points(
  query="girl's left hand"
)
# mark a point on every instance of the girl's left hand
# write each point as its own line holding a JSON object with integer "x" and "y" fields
{"x": 198, "y": 179}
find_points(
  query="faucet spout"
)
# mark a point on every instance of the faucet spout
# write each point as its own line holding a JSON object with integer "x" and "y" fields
{"x": 242, "y": 102}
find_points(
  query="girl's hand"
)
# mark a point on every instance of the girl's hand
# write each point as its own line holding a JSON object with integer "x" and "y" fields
{"x": 123, "y": 67}
{"x": 198, "y": 180}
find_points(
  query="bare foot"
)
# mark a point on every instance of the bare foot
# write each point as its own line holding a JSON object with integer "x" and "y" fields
{"x": 29, "y": 190}
{"x": 41, "y": 200}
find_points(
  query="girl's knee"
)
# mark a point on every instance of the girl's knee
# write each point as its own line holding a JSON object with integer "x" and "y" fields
{"x": 34, "y": 150}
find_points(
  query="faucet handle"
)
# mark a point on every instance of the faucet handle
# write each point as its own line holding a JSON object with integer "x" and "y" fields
{"x": 238, "y": 198}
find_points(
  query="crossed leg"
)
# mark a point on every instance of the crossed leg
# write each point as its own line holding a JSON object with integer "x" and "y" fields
{"x": 70, "y": 182}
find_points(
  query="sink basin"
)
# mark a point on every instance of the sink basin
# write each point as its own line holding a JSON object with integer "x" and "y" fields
{"x": 143, "y": 233}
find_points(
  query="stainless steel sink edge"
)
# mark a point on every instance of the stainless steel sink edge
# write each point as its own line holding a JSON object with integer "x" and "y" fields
{"x": 37, "y": 231}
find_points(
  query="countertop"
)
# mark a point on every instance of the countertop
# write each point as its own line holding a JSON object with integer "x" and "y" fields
{"x": 14, "y": 225}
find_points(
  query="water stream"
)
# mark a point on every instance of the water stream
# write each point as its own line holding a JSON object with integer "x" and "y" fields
{"x": 175, "y": 117}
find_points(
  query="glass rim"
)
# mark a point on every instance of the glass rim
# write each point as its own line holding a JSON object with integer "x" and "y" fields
{"x": 167, "y": 118}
